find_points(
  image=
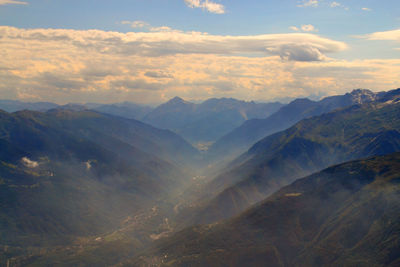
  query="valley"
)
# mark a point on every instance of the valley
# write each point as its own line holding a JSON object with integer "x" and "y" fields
{"x": 81, "y": 187}
{"x": 199, "y": 133}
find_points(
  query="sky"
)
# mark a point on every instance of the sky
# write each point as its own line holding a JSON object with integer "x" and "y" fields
{"x": 148, "y": 51}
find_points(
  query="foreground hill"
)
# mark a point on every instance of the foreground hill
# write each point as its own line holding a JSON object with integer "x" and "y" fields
{"x": 209, "y": 120}
{"x": 251, "y": 131}
{"x": 65, "y": 174}
{"x": 310, "y": 145}
{"x": 346, "y": 215}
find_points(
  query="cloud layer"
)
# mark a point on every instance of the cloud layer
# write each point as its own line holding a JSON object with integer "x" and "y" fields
{"x": 97, "y": 66}
{"x": 296, "y": 46}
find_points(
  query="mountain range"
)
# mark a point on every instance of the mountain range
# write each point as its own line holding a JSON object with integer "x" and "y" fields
{"x": 320, "y": 187}
{"x": 240, "y": 139}
{"x": 310, "y": 145}
{"x": 208, "y": 121}
{"x": 200, "y": 124}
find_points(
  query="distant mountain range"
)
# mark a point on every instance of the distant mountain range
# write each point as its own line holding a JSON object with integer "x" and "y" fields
{"x": 208, "y": 121}
{"x": 197, "y": 123}
{"x": 251, "y": 131}
{"x": 125, "y": 109}
{"x": 15, "y": 105}
{"x": 308, "y": 146}
{"x": 346, "y": 215}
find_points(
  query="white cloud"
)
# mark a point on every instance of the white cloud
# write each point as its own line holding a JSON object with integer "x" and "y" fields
{"x": 161, "y": 43}
{"x": 162, "y": 29}
{"x": 337, "y": 4}
{"x": 393, "y": 35}
{"x": 135, "y": 24}
{"x": 12, "y": 2}
{"x": 208, "y": 5}
{"x": 309, "y": 3}
{"x": 308, "y": 28}
{"x": 146, "y": 26}
{"x": 304, "y": 28}
{"x": 366, "y": 9}
{"x": 29, "y": 163}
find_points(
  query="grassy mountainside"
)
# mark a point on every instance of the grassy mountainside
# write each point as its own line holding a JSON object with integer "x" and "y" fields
{"x": 308, "y": 146}
{"x": 346, "y": 215}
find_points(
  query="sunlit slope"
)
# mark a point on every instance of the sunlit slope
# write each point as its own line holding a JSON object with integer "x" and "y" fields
{"x": 346, "y": 215}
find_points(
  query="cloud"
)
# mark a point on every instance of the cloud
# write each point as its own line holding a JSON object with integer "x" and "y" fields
{"x": 316, "y": 3}
{"x": 337, "y": 4}
{"x": 309, "y": 3}
{"x": 210, "y": 6}
{"x": 294, "y": 28}
{"x": 366, "y": 9}
{"x": 139, "y": 24}
{"x": 12, "y": 2}
{"x": 304, "y": 28}
{"x": 308, "y": 28}
{"x": 162, "y": 43}
{"x": 162, "y": 29}
{"x": 157, "y": 74}
{"x": 135, "y": 84}
{"x": 135, "y": 24}
{"x": 29, "y": 163}
{"x": 393, "y": 35}
{"x": 150, "y": 67}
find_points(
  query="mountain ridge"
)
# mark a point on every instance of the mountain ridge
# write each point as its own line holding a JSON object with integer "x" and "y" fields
{"x": 251, "y": 131}
{"x": 306, "y": 147}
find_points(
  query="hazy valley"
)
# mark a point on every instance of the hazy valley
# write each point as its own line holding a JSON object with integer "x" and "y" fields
{"x": 88, "y": 185}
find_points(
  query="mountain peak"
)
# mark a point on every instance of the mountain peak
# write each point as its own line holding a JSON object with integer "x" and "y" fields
{"x": 361, "y": 96}
{"x": 362, "y": 91}
{"x": 176, "y": 100}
